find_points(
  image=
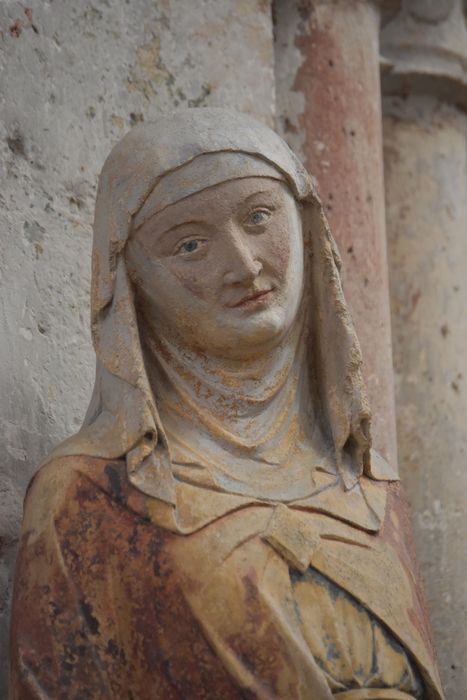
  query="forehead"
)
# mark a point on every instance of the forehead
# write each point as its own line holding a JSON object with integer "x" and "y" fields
{"x": 221, "y": 200}
{"x": 233, "y": 192}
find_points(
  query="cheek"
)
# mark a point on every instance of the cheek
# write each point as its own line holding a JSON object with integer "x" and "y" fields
{"x": 277, "y": 251}
{"x": 281, "y": 250}
{"x": 197, "y": 278}
{"x": 286, "y": 255}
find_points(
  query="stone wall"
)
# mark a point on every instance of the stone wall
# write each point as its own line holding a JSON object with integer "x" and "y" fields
{"x": 424, "y": 78}
{"x": 426, "y": 183}
{"x": 75, "y": 76}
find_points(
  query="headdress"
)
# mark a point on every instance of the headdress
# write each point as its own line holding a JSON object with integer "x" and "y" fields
{"x": 122, "y": 419}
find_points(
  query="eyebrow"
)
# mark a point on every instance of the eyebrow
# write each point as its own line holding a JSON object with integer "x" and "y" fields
{"x": 190, "y": 222}
{"x": 255, "y": 194}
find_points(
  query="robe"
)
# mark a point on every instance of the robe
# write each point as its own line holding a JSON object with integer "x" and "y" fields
{"x": 120, "y": 595}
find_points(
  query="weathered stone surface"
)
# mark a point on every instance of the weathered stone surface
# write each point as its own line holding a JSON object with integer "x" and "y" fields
{"x": 424, "y": 79}
{"x": 424, "y": 51}
{"x": 328, "y": 98}
{"x": 75, "y": 77}
{"x": 273, "y": 541}
{"x": 426, "y": 194}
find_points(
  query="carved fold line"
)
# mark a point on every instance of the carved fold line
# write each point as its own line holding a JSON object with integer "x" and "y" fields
{"x": 31, "y": 681}
{"x": 374, "y": 694}
{"x": 345, "y": 540}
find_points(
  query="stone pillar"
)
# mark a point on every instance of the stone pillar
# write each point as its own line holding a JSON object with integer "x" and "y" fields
{"x": 329, "y": 108}
{"x": 74, "y": 77}
{"x": 424, "y": 71}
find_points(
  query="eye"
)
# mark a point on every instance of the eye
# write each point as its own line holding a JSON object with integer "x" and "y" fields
{"x": 258, "y": 217}
{"x": 190, "y": 246}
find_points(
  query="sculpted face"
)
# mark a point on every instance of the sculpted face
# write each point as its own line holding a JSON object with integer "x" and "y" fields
{"x": 221, "y": 271}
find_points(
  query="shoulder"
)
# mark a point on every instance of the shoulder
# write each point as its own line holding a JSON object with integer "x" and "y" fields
{"x": 56, "y": 482}
{"x": 59, "y": 473}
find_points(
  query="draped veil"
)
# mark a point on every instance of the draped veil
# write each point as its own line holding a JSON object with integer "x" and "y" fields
{"x": 122, "y": 419}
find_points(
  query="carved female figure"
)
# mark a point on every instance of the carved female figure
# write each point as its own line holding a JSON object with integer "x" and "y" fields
{"x": 220, "y": 527}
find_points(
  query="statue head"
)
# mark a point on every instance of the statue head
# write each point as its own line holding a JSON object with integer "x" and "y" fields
{"x": 209, "y": 229}
{"x": 221, "y": 270}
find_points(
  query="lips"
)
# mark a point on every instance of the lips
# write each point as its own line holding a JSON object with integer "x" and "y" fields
{"x": 251, "y": 298}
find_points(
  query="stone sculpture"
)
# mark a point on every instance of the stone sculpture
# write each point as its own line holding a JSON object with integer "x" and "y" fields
{"x": 220, "y": 526}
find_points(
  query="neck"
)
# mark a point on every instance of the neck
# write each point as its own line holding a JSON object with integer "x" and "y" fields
{"x": 238, "y": 395}
{"x": 240, "y": 419}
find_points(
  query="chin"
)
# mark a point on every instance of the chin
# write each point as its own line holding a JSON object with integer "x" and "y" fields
{"x": 263, "y": 330}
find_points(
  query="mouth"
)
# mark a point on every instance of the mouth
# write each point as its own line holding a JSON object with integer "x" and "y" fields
{"x": 252, "y": 299}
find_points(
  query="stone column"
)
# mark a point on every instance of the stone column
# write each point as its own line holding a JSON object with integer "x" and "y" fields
{"x": 424, "y": 71}
{"x": 75, "y": 76}
{"x": 329, "y": 108}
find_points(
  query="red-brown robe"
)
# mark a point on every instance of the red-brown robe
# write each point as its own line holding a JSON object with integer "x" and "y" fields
{"x": 111, "y": 602}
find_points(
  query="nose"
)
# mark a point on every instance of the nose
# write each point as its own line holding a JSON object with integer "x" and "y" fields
{"x": 242, "y": 267}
